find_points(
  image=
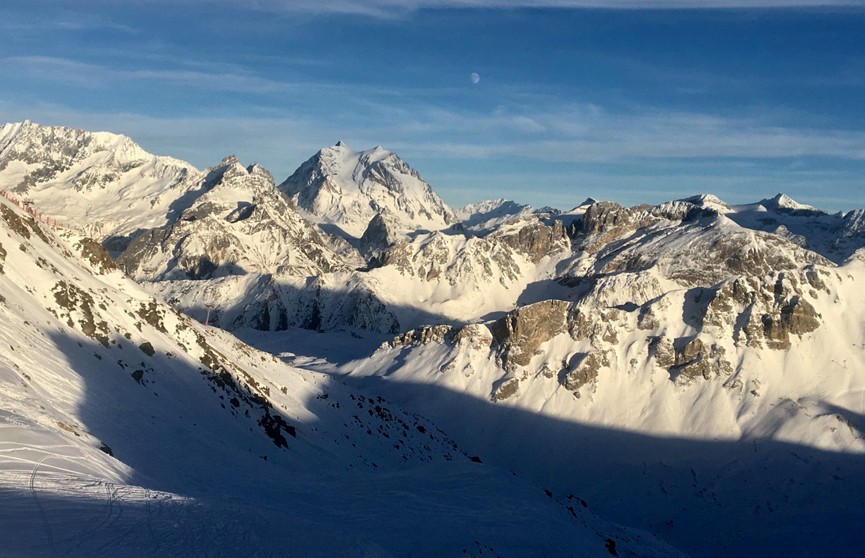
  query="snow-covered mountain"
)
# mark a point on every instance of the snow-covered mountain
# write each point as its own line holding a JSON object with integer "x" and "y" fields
{"x": 346, "y": 189}
{"x": 127, "y": 428}
{"x": 488, "y": 214}
{"x": 695, "y": 367}
{"x": 241, "y": 253}
{"x": 97, "y": 182}
{"x": 837, "y": 237}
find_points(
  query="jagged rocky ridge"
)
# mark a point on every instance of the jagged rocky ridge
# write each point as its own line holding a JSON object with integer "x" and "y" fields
{"x": 631, "y": 270}
{"x": 233, "y": 242}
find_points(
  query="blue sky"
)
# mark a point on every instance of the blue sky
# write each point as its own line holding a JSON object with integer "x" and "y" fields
{"x": 633, "y": 104}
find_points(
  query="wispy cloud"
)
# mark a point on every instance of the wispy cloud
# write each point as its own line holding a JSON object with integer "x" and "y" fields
{"x": 573, "y": 132}
{"x": 394, "y": 8}
{"x": 545, "y": 128}
{"x": 56, "y": 69}
{"x": 391, "y": 9}
{"x": 64, "y": 70}
{"x": 62, "y": 20}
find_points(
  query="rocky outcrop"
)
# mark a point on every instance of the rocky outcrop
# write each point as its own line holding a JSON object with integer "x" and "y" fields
{"x": 583, "y": 370}
{"x": 505, "y": 390}
{"x": 766, "y": 312}
{"x": 795, "y": 317}
{"x": 522, "y": 331}
{"x": 520, "y": 334}
{"x": 377, "y": 237}
{"x": 423, "y": 336}
{"x": 604, "y": 222}
{"x": 534, "y": 239}
{"x": 476, "y": 336}
{"x": 696, "y": 359}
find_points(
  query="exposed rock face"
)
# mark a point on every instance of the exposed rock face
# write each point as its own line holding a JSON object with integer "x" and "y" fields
{"x": 583, "y": 370}
{"x": 377, "y": 237}
{"x": 594, "y": 324}
{"x": 604, "y": 222}
{"x": 796, "y": 317}
{"x": 534, "y": 239}
{"x": 700, "y": 360}
{"x": 476, "y": 336}
{"x": 97, "y": 256}
{"x": 755, "y": 312}
{"x": 662, "y": 351}
{"x": 521, "y": 332}
{"x": 506, "y": 390}
{"x": 766, "y": 312}
{"x": 423, "y": 336}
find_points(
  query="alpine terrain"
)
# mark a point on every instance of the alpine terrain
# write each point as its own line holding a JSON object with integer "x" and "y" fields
{"x": 341, "y": 364}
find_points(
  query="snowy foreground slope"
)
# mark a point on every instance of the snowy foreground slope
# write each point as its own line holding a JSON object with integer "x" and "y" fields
{"x": 128, "y": 429}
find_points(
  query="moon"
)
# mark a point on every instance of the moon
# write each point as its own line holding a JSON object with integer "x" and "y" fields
{"x": 475, "y": 77}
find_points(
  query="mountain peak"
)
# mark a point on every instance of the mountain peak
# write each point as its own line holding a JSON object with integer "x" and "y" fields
{"x": 229, "y": 160}
{"x": 783, "y": 201}
{"x": 346, "y": 188}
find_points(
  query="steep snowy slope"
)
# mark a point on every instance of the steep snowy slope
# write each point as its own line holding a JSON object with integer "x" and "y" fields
{"x": 98, "y": 182}
{"x": 345, "y": 189}
{"x": 128, "y": 429}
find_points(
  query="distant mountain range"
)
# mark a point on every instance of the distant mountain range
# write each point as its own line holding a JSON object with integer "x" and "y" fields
{"x": 697, "y": 368}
